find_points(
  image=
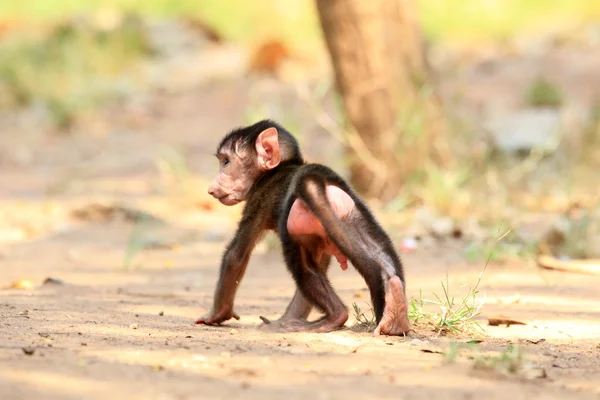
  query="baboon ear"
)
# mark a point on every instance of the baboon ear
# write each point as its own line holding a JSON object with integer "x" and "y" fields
{"x": 267, "y": 148}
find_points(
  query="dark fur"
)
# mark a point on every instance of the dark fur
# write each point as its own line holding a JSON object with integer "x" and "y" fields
{"x": 268, "y": 205}
{"x": 246, "y": 137}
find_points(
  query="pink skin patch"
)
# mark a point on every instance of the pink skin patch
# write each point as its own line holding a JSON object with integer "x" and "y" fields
{"x": 302, "y": 221}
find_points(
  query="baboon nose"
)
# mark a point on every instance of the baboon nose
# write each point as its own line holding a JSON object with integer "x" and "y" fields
{"x": 210, "y": 190}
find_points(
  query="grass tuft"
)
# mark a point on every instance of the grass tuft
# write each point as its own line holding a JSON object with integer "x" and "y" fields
{"x": 362, "y": 320}
{"x": 543, "y": 93}
{"x": 457, "y": 314}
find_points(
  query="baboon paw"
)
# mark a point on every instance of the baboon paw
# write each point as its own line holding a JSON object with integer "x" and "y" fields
{"x": 394, "y": 321}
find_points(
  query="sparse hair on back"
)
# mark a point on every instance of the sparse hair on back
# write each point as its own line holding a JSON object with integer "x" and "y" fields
{"x": 246, "y": 137}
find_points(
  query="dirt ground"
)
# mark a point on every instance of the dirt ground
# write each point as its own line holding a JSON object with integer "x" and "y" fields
{"x": 111, "y": 331}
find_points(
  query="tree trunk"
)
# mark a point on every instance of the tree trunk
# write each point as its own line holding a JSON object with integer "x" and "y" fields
{"x": 376, "y": 52}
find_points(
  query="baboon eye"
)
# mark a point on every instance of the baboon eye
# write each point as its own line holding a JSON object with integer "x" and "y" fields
{"x": 225, "y": 161}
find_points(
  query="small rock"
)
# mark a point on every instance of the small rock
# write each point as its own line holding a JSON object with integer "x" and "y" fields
{"x": 525, "y": 130}
{"x": 442, "y": 227}
{"x": 28, "y": 350}
{"x": 161, "y": 313}
{"x": 416, "y": 342}
{"x": 133, "y": 326}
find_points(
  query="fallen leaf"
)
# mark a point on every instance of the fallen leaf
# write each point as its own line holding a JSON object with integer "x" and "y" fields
{"x": 536, "y": 341}
{"x": 53, "y": 281}
{"x": 504, "y": 321}
{"x": 589, "y": 266}
{"x": 431, "y": 351}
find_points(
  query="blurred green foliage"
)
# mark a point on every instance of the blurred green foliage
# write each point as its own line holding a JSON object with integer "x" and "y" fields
{"x": 297, "y": 21}
{"x": 70, "y": 70}
{"x": 78, "y": 66}
{"x": 246, "y": 21}
{"x": 543, "y": 93}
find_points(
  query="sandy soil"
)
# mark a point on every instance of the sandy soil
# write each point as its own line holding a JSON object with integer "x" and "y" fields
{"x": 115, "y": 332}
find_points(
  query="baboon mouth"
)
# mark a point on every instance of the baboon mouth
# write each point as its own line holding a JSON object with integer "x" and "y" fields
{"x": 228, "y": 200}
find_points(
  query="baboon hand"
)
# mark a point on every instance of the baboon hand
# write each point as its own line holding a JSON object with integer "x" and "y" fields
{"x": 215, "y": 318}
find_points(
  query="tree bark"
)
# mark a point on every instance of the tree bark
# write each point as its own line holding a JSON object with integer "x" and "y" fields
{"x": 377, "y": 57}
